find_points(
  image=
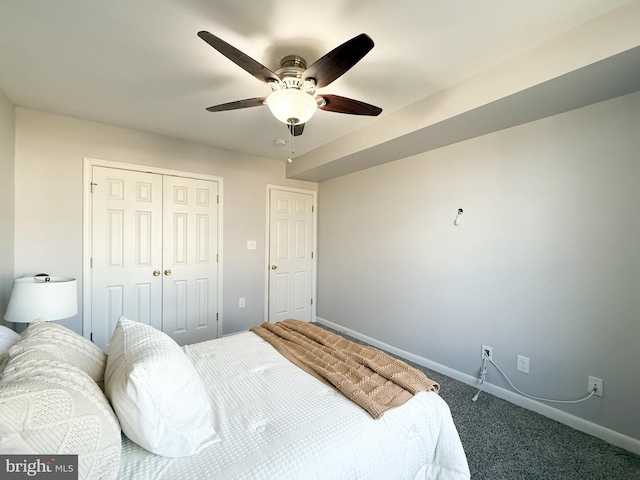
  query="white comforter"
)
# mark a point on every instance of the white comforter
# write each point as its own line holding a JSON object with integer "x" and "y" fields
{"x": 278, "y": 422}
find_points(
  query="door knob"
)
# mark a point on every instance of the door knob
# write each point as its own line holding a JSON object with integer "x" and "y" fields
{"x": 273, "y": 267}
{"x": 156, "y": 273}
{"x": 167, "y": 272}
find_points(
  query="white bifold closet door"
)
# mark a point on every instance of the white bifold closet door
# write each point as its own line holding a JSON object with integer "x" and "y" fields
{"x": 154, "y": 254}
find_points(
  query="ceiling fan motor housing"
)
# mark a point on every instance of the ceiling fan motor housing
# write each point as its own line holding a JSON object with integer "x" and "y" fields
{"x": 292, "y": 67}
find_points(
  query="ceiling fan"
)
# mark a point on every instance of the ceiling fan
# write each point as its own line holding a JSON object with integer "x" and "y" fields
{"x": 293, "y": 98}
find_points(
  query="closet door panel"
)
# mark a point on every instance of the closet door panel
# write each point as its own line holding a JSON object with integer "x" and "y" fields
{"x": 126, "y": 250}
{"x": 190, "y": 259}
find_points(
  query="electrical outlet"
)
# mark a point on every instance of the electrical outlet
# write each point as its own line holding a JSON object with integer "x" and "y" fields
{"x": 488, "y": 351}
{"x": 523, "y": 364}
{"x": 251, "y": 245}
{"x": 241, "y": 302}
{"x": 597, "y": 383}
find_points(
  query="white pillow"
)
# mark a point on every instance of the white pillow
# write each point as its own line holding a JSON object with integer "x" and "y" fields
{"x": 52, "y": 407}
{"x": 7, "y": 338}
{"x": 156, "y": 392}
{"x": 59, "y": 343}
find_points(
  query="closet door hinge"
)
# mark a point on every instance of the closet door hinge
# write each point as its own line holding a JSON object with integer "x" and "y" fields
{"x": 311, "y": 254}
{"x": 312, "y": 208}
{"x": 216, "y": 316}
{"x": 91, "y": 262}
{"x": 218, "y": 199}
{"x": 93, "y": 185}
{"x": 217, "y": 258}
{"x": 312, "y": 301}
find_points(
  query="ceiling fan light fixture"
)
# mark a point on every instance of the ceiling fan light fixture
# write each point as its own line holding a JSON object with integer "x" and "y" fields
{"x": 291, "y": 106}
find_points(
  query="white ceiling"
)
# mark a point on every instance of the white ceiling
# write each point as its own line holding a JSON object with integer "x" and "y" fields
{"x": 139, "y": 63}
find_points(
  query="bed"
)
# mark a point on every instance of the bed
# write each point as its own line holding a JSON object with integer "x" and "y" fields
{"x": 265, "y": 418}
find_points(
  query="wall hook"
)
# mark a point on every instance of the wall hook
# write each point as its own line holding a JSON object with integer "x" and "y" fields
{"x": 456, "y": 222}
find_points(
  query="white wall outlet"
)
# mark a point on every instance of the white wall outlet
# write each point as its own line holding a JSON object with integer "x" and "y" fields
{"x": 488, "y": 351}
{"x": 251, "y": 245}
{"x": 523, "y": 364}
{"x": 596, "y": 383}
{"x": 241, "y": 302}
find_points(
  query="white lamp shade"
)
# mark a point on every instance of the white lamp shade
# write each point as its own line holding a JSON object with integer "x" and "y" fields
{"x": 291, "y": 106}
{"x": 51, "y": 300}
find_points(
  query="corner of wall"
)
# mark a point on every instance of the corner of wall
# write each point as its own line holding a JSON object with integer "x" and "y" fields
{"x": 7, "y": 199}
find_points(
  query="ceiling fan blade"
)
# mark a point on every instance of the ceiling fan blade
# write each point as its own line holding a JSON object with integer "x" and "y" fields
{"x": 296, "y": 129}
{"x": 249, "y": 102}
{"x": 335, "y": 103}
{"x": 236, "y": 56}
{"x": 339, "y": 60}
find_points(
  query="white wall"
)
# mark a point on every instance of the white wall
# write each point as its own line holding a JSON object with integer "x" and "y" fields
{"x": 48, "y": 200}
{"x": 545, "y": 262}
{"x": 7, "y": 144}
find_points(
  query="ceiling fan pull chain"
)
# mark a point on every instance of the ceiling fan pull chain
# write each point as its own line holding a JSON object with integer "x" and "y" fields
{"x": 290, "y": 159}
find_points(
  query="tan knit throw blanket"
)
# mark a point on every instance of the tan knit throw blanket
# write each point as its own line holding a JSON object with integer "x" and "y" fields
{"x": 371, "y": 378}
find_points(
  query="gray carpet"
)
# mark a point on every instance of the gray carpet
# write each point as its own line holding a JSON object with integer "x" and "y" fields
{"x": 505, "y": 442}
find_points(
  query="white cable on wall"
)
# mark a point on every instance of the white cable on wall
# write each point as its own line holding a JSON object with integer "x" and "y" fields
{"x": 483, "y": 373}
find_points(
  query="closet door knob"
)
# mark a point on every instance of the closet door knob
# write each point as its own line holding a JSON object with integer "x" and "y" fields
{"x": 156, "y": 273}
{"x": 167, "y": 272}
{"x": 273, "y": 267}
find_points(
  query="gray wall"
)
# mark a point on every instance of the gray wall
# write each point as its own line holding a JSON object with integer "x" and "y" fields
{"x": 545, "y": 262}
{"x": 7, "y": 147}
{"x": 49, "y": 200}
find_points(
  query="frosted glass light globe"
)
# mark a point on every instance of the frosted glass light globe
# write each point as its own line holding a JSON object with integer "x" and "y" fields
{"x": 291, "y": 106}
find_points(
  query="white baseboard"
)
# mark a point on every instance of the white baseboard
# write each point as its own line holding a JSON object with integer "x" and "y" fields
{"x": 580, "y": 424}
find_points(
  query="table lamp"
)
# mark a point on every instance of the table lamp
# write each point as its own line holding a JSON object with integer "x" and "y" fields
{"x": 42, "y": 297}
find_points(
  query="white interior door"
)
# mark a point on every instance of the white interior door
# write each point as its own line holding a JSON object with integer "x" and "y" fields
{"x": 290, "y": 255}
{"x": 126, "y": 250}
{"x": 190, "y": 265}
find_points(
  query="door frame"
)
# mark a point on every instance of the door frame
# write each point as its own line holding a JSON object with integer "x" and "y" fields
{"x": 87, "y": 241}
{"x": 314, "y": 247}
